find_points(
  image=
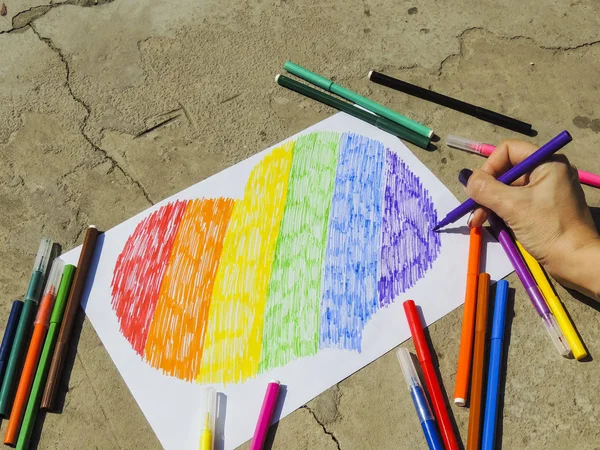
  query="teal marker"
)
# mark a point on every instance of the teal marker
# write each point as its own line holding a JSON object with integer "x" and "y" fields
{"x": 23, "y": 333}
{"x": 370, "y": 105}
{"x": 380, "y": 122}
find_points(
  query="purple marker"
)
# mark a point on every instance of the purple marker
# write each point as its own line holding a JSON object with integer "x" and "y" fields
{"x": 525, "y": 166}
{"x": 526, "y": 278}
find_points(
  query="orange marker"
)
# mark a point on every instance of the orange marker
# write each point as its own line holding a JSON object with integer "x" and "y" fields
{"x": 476, "y": 411}
{"x": 463, "y": 372}
{"x": 40, "y": 328}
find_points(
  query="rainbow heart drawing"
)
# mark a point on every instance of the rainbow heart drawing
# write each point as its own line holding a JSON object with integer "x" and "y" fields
{"x": 331, "y": 228}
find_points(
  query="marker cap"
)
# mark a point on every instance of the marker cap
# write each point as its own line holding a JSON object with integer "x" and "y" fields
{"x": 56, "y": 271}
{"x": 210, "y": 409}
{"x": 43, "y": 255}
{"x": 408, "y": 368}
{"x": 469, "y": 145}
{"x": 49, "y": 297}
{"x": 556, "y": 335}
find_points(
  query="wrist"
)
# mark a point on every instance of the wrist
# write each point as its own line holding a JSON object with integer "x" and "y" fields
{"x": 580, "y": 268}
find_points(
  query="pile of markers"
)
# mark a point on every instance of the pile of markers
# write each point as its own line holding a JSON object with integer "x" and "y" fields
{"x": 475, "y": 345}
{"x": 482, "y": 415}
{"x": 36, "y": 339}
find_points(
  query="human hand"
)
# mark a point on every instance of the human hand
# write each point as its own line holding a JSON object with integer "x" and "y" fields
{"x": 546, "y": 211}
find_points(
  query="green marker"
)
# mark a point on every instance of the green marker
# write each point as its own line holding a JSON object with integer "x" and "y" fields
{"x": 329, "y": 100}
{"x": 39, "y": 382}
{"x": 330, "y": 86}
{"x": 23, "y": 333}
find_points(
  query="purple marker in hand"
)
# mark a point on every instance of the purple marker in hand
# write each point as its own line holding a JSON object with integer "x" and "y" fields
{"x": 525, "y": 166}
{"x": 526, "y": 278}
{"x": 539, "y": 302}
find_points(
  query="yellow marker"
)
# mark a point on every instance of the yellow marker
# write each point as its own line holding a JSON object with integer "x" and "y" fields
{"x": 554, "y": 304}
{"x": 207, "y": 436}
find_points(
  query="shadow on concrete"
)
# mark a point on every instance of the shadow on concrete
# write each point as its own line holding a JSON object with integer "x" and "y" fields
{"x": 510, "y": 315}
{"x": 37, "y": 430}
{"x": 596, "y": 216}
{"x": 63, "y": 388}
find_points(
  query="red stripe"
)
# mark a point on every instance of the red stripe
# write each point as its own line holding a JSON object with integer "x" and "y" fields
{"x": 139, "y": 272}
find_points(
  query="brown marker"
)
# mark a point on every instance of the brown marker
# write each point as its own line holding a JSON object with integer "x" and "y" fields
{"x": 62, "y": 345}
{"x": 476, "y": 411}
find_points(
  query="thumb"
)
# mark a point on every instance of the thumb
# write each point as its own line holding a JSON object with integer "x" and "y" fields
{"x": 491, "y": 193}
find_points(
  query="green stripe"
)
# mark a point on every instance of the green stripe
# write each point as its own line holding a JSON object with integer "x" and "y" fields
{"x": 291, "y": 328}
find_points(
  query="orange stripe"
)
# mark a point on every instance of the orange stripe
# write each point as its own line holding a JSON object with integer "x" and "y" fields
{"x": 176, "y": 335}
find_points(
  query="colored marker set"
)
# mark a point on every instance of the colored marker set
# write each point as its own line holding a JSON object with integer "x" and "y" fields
{"x": 546, "y": 303}
{"x": 483, "y": 402}
{"x": 33, "y": 351}
{"x": 474, "y": 346}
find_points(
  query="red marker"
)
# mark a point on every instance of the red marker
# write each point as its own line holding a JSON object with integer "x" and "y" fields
{"x": 431, "y": 380}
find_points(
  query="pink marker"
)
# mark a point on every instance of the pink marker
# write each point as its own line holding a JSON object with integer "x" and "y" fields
{"x": 487, "y": 149}
{"x": 266, "y": 412}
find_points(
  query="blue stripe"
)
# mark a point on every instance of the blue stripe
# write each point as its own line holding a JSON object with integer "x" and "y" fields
{"x": 350, "y": 277}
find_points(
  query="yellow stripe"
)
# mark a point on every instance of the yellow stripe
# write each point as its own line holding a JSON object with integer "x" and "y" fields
{"x": 233, "y": 343}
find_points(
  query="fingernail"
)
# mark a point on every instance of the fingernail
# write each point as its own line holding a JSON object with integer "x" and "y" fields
{"x": 470, "y": 217}
{"x": 464, "y": 175}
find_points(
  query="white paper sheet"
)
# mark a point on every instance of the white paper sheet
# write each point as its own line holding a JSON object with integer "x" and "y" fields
{"x": 172, "y": 405}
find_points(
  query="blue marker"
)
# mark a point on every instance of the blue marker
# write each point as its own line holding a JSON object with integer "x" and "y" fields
{"x": 9, "y": 335}
{"x": 497, "y": 342}
{"x": 420, "y": 400}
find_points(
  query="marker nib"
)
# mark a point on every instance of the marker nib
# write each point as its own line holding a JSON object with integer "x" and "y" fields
{"x": 436, "y": 228}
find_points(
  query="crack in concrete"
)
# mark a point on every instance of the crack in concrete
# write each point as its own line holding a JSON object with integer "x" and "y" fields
{"x": 27, "y": 16}
{"x": 460, "y": 53}
{"x": 157, "y": 126}
{"x": 189, "y": 117}
{"x": 24, "y": 18}
{"x": 228, "y": 99}
{"x": 325, "y": 430}
{"x": 462, "y": 34}
{"x": 545, "y": 47}
{"x": 88, "y": 110}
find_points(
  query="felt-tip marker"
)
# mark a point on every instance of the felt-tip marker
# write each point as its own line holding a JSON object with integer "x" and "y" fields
{"x": 420, "y": 400}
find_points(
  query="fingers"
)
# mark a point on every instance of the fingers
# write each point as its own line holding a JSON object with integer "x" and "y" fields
{"x": 478, "y": 217}
{"x": 490, "y": 193}
{"x": 507, "y": 154}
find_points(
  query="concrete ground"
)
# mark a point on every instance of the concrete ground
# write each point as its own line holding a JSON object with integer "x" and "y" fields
{"x": 108, "y": 107}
